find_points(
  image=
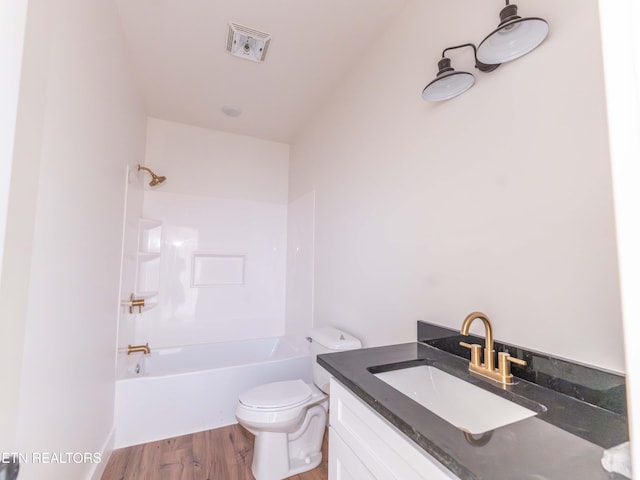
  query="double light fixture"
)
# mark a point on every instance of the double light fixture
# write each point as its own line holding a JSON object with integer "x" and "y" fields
{"x": 514, "y": 37}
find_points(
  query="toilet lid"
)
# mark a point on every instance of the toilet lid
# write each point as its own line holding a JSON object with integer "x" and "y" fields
{"x": 276, "y": 395}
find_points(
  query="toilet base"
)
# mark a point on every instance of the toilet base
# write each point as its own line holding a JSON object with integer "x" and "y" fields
{"x": 300, "y": 465}
{"x": 272, "y": 469}
{"x": 278, "y": 455}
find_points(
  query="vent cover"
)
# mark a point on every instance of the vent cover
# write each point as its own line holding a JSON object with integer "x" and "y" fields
{"x": 247, "y": 42}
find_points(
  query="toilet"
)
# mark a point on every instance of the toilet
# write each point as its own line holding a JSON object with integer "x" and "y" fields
{"x": 289, "y": 418}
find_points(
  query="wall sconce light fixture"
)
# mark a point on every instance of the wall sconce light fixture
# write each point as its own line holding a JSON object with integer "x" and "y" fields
{"x": 514, "y": 37}
{"x": 449, "y": 83}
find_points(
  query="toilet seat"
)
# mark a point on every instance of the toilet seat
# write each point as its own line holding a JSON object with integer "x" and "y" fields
{"x": 276, "y": 396}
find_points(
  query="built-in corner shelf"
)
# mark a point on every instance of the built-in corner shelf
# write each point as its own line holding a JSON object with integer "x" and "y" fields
{"x": 148, "y": 262}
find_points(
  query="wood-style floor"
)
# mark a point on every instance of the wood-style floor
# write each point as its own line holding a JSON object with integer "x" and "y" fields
{"x": 221, "y": 454}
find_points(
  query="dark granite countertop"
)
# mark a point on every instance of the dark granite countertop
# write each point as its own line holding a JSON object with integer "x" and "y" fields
{"x": 564, "y": 441}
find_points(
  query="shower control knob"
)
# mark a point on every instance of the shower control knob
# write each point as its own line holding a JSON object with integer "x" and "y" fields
{"x": 133, "y": 303}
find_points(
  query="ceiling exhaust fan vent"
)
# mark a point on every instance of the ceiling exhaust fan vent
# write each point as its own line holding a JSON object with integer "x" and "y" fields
{"x": 247, "y": 42}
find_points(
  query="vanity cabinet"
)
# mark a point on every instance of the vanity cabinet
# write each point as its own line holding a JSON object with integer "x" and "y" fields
{"x": 364, "y": 446}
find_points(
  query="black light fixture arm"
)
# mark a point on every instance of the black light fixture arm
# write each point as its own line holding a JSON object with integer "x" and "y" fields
{"x": 509, "y": 12}
{"x": 459, "y": 46}
{"x": 483, "y": 67}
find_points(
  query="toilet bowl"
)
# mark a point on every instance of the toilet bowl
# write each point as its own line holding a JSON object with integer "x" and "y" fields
{"x": 289, "y": 418}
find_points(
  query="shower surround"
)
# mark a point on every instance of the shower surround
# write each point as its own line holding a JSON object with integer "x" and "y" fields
{"x": 223, "y": 209}
{"x": 222, "y": 270}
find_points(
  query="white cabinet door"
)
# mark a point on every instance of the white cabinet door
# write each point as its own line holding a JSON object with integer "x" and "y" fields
{"x": 387, "y": 453}
{"x": 343, "y": 463}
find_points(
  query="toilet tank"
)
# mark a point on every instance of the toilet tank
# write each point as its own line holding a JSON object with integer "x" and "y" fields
{"x": 328, "y": 340}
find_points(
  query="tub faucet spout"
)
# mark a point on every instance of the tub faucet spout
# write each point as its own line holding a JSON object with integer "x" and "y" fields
{"x": 139, "y": 348}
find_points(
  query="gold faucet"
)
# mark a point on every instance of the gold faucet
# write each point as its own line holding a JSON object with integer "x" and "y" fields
{"x": 503, "y": 373}
{"x": 133, "y": 303}
{"x": 139, "y": 348}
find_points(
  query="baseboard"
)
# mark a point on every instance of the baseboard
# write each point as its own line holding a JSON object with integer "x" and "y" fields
{"x": 105, "y": 452}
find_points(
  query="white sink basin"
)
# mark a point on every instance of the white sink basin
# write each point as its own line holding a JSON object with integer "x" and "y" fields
{"x": 460, "y": 403}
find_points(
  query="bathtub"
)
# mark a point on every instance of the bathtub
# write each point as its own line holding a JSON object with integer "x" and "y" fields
{"x": 176, "y": 391}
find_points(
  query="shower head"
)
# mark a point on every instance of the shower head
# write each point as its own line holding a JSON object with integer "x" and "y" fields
{"x": 156, "y": 179}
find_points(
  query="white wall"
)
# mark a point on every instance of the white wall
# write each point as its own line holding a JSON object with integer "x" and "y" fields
{"x": 12, "y": 29}
{"x": 300, "y": 263}
{"x": 203, "y": 162}
{"x": 499, "y": 200}
{"x": 80, "y": 122}
{"x": 621, "y": 49}
{"x": 225, "y": 195}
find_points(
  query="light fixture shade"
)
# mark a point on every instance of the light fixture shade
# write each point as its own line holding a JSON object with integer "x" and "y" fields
{"x": 514, "y": 37}
{"x": 448, "y": 83}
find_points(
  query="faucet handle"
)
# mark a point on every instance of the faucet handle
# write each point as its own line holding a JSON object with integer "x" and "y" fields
{"x": 504, "y": 367}
{"x": 475, "y": 352}
{"x": 133, "y": 303}
{"x": 515, "y": 360}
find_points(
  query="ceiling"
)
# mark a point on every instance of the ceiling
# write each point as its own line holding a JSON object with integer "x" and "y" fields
{"x": 185, "y": 74}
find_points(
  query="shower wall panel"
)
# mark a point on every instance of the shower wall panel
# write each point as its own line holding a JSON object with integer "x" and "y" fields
{"x": 223, "y": 210}
{"x": 222, "y": 270}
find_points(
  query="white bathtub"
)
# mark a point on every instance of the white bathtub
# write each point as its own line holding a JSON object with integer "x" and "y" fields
{"x": 176, "y": 391}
